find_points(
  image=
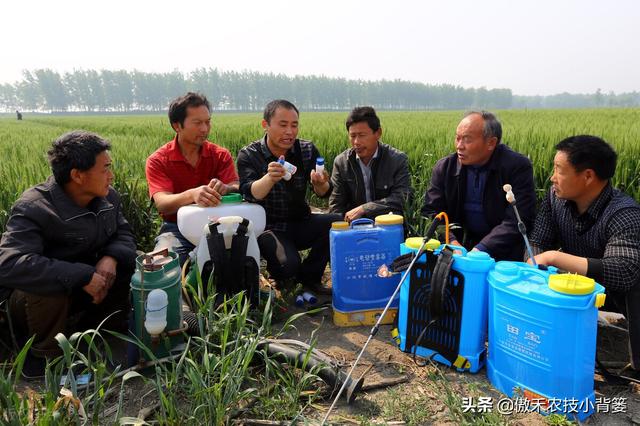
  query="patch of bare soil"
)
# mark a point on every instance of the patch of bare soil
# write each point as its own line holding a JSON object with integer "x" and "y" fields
{"x": 396, "y": 390}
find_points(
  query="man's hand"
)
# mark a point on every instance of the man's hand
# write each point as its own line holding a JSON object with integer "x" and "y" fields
{"x": 107, "y": 268}
{"x": 545, "y": 258}
{"x": 97, "y": 288}
{"x": 319, "y": 179}
{"x": 565, "y": 261}
{"x": 218, "y": 186}
{"x": 320, "y": 182}
{"x": 275, "y": 171}
{"x": 354, "y": 214}
{"x": 453, "y": 242}
{"x": 206, "y": 195}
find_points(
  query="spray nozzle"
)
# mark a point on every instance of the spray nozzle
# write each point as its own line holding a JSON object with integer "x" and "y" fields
{"x": 511, "y": 198}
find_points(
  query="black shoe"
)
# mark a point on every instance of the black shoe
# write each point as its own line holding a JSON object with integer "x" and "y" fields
{"x": 34, "y": 367}
{"x": 320, "y": 288}
{"x": 286, "y": 284}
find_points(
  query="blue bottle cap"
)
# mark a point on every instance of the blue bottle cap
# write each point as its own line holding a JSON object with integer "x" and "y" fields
{"x": 309, "y": 297}
{"x": 320, "y": 161}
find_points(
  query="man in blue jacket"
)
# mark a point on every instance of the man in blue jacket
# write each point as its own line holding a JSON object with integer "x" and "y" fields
{"x": 67, "y": 248}
{"x": 467, "y": 185}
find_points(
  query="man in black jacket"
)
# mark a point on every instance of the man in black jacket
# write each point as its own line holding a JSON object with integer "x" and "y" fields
{"x": 370, "y": 178}
{"x": 290, "y": 224}
{"x": 67, "y": 247}
{"x": 468, "y": 185}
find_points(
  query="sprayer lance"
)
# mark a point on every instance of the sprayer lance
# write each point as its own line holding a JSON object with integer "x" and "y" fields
{"x": 511, "y": 199}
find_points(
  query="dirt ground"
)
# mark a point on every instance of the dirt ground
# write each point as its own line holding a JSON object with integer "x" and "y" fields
{"x": 422, "y": 395}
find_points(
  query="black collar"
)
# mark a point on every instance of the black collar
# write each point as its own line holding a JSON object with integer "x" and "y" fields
{"x": 67, "y": 208}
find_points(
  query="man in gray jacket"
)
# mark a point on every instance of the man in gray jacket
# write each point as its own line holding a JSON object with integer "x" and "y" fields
{"x": 370, "y": 178}
{"x": 67, "y": 248}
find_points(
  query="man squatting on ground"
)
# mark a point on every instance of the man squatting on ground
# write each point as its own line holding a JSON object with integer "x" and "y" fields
{"x": 67, "y": 249}
{"x": 467, "y": 185}
{"x": 370, "y": 178}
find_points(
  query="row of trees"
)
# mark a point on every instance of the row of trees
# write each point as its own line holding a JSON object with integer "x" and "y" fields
{"x": 570, "y": 100}
{"x": 125, "y": 91}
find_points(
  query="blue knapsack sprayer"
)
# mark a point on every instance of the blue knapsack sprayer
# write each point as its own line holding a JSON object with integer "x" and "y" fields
{"x": 383, "y": 313}
{"x": 443, "y": 307}
{"x": 542, "y": 337}
{"x": 542, "y": 333}
{"x": 357, "y": 251}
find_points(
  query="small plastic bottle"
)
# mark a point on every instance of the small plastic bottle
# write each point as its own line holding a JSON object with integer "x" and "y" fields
{"x": 320, "y": 165}
{"x": 309, "y": 297}
{"x": 289, "y": 169}
{"x": 156, "y": 312}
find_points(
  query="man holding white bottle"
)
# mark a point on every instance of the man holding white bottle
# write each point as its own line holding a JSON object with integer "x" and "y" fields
{"x": 264, "y": 166}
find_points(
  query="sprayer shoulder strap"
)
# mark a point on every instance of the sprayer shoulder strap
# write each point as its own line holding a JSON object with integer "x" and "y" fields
{"x": 229, "y": 264}
{"x": 215, "y": 244}
{"x": 236, "y": 270}
{"x": 439, "y": 281}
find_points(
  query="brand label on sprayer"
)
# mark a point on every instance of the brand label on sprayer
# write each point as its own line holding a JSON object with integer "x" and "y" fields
{"x": 524, "y": 337}
{"x": 364, "y": 266}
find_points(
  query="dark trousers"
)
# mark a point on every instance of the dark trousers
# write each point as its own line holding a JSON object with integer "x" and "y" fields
{"x": 47, "y": 315}
{"x": 280, "y": 249}
{"x": 628, "y": 304}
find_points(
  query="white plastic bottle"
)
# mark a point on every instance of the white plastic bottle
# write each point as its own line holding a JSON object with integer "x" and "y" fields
{"x": 289, "y": 169}
{"x": 320, "y": 165}
{"x": 156, "y": 312}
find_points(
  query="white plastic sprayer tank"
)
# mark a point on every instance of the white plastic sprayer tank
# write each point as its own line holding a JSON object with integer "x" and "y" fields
{"x": 192, "y": 218}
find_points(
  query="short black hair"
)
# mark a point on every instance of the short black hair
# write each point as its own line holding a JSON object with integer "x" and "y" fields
{"x": 590, "y": 152}
{"x": 364, "y": 114}
{"x": 74, "y": 150}
{"x": 492, "y": 126}
{"x": 272, "y": 106}
{"x": 178, "y": 106}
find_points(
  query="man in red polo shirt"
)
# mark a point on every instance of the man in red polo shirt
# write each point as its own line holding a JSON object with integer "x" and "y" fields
{"x": 188, "y": 170}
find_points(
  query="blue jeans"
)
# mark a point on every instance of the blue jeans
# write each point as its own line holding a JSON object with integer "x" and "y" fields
{"x": 171, "y": 238}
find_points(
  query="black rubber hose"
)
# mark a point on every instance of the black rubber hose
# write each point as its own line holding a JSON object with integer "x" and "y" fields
{"x": 332, "y": 376}
{"x": 294, "y": 354}
{"x": 191, "y": 319}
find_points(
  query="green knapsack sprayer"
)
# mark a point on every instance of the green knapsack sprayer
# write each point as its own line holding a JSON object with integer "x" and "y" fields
{"x": 156, "y": 299}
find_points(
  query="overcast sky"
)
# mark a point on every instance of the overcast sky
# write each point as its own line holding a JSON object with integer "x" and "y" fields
{"x": 532, "y": 47}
